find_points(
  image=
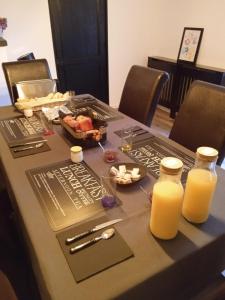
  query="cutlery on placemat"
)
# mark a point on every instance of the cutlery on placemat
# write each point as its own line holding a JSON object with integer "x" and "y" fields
{"x": 134, "y": 129}
{"x": 96, "y": 228}
{"x": 107, "y": 234}
{"x": 27, "y": 143}
{"x": 139, "y": 132}
{"x": 28, "y": 147}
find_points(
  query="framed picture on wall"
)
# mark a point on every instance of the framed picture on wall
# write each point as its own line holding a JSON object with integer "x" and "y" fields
{"x": 190, "y": 44}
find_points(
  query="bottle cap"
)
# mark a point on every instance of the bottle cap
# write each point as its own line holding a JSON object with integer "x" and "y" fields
{"x": 171, "y": 165}
{"x": 207, "y": 153}
{"x": 76, "y": 149}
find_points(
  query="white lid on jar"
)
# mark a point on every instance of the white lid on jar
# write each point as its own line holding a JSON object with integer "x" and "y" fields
{"x": 207, "y": 153}
{"x": 76, "y": 149}
{"x": 171, "y": 165}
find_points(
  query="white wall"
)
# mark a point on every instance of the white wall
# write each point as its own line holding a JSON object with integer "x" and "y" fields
{"x": 174, "y": 15}
{"x": 136, "y": 29}
{"x": 4, "y": 95}
{"x": 140, "y": 28}
{"x": 28, "y": 31}
{"x": 129, "y": 40}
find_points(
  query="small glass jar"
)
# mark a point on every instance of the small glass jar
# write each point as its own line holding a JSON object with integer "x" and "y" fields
{"x": 167, "y": 199}
{"x": 76, "y": 154}
{"x": 110, "y": 155}
{"x": 28, "y": 112}
{"x": 126, "y": 140}
{"x": 200, "y": 186}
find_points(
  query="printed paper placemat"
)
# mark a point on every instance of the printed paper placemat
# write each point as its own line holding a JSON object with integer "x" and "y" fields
{"x": 21, "y": 129}
{"x": 101, "y": 112}
{"x": 150, "y": 152}
{"x": 68, "y": 192}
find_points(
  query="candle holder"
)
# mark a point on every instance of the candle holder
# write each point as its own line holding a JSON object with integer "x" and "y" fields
{"x": 109, "y": 192}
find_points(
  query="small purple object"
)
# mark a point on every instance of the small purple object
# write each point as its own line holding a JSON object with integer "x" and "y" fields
{"x": 108, "y": 201}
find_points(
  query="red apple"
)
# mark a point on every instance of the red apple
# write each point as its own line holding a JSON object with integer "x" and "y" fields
{"x": 85, "y": 123}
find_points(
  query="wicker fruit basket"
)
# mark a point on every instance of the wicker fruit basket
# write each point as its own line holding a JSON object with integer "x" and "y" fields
{"x": 88, "y": 138}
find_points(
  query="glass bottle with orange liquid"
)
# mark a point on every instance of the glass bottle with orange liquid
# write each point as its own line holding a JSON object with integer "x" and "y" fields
{"x": 200, "y": 186}
{"x": 167, "y": 197}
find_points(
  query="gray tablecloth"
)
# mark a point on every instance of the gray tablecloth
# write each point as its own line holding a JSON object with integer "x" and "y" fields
{"x": 159, "y": 269}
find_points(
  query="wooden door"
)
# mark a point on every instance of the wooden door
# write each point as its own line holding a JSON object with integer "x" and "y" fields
{"x": 79, "y": 29}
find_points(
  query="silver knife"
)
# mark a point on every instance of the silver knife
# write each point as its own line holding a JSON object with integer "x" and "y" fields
{"x": 96, "y": 228}
{"x": 28, "y": 143}
{"x": 28, "y": 147}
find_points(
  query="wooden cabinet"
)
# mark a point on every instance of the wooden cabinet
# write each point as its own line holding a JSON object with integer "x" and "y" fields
{"x": 181, "y": 76}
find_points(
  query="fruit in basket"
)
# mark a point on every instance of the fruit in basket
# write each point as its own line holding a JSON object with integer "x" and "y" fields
{"x": 69, "y": 120}
{"x": 85, "y": 123}
{"x": 82, "y": 123}
{"x": 97, "y": 135}
{"x": 85, "y": 128}
{"x": 74, "y": 124}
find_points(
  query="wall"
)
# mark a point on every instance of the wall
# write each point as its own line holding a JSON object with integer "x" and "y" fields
{"x": 136, "y": 29}
{"x": 28, "y": 31}
{"x": 129, "y": 40}
{"x": 4, "y": 95}
{"x": 174, "y": 15}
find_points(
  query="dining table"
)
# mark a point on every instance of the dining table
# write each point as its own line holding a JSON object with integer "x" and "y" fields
{"x": 153, "y": 269}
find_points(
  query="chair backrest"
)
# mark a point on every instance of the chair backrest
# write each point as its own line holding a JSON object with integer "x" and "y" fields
{"x": 22, "y": 70}
{"x": 141, "y": 93}
{"x": 27, "y": 56}
{"x": 6, "y": 290}
{"x": 201, "y": 118}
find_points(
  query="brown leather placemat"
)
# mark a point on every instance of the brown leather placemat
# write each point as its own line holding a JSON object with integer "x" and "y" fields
{"x": 97, "y": 257}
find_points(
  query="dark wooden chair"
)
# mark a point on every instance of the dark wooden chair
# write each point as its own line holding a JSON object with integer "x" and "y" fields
{"x": 201, "y": 118}
{"x": 6, "y": 290}
{"x": 141, "y": 93}
{"x": 27, "y": 56}
{"x": 23, "y": 70}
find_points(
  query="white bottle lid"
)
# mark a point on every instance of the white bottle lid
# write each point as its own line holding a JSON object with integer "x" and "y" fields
{"x": 76, "y": 149}
{"x": 207, "y": 153}
{"x": 171, "y": 165}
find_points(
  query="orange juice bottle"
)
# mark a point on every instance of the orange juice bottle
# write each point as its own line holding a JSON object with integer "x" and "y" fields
{"x": 200, "y": 186}
{"x": 167, "y": 199}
